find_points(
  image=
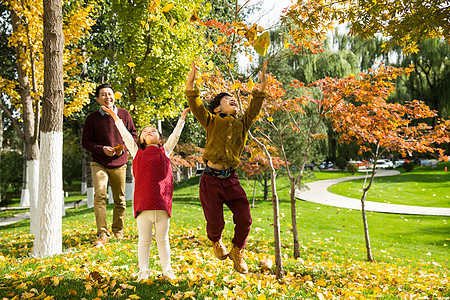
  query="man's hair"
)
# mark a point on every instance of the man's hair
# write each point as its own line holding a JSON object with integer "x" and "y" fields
{"x": 215, "y": 102}
{"x": 102, "y": 86}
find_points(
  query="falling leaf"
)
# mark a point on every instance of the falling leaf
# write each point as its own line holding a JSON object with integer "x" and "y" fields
{"x": 210, "y": 44}
{"x": 236, "y": 86}
{"x": 221, "y": 40}
{"x": 168, "y": 7}
{"x": 270, "y": 119}
{"x": 117, "y": 95}
{"x": 250, "y": 84}
{"x": 131, "y": 65}
{"x": 262, "y": 43}
{"x": 194, "y": 16}
{"x": 210, "y": 65}
{"x": 139, "y": 79}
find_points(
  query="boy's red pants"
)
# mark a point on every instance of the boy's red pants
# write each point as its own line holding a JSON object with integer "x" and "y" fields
{"x": 214, "y": 193}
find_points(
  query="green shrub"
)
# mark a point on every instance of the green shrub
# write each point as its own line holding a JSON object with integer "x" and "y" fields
{"x": 408, "y": 166}
{"x": 352, "y": 168}
{"x": 341, "y": 163}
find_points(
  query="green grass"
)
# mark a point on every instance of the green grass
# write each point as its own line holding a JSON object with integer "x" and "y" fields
{"x": 424, "y": 186}
{"x": 410, "y": 252}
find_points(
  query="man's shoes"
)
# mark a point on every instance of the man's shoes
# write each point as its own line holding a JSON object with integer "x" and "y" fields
{"x": 118, "y": 235}
{"x": 220, "y": 250}
{"x": 237, "y": 256}
{"x": 102, "y": 240}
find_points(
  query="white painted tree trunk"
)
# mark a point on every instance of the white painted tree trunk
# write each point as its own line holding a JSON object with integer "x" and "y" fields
{"x": 33, "y": 184}
{"x": 110, "y": 196}
{"x": 90, "y": 197}
{"x": 48, "y": 237}
{"x": 63, "y": 208}
{"x": 25, "y": 198}
{"x": 83, "y": 187}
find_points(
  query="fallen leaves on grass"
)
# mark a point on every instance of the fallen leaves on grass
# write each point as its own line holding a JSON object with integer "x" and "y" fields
{"x": 90, "y": 273}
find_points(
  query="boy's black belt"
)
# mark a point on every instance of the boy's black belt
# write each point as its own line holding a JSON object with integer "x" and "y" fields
{"x": 218, "y": 173}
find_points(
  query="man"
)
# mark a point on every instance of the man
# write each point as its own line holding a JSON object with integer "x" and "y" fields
{"x": 109, "y": 158}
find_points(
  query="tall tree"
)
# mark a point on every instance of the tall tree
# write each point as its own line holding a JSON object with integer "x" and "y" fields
{"x": 430, "y": 80}
{"x": 364, "y": 115}
{"x": 402, "y": 22}
{"x": 48, "y": 238}
{"x": 24, "y": 91}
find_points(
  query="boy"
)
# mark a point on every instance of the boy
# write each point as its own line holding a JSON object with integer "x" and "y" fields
{"x": 225, "y": 140}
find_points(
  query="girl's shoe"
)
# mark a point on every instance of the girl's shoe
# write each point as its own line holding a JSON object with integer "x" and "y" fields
{"x": 169, "y": 274}
{"x": 142, "y": 275}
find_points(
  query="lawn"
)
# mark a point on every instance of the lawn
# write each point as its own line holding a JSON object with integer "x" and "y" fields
{"x": 411, "y": 254}
{"x": 424, "y": 186}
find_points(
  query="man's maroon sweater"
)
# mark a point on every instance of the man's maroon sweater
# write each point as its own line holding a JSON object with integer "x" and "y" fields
{"x": 99, "y": 131}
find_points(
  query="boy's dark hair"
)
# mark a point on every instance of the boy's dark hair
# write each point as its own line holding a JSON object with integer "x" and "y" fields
{"x": 143, "y": 145}
{"x": 102, "y": 86}
{"x": 215, "y": 102}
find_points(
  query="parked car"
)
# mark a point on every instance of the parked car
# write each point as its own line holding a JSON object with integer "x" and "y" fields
{"x": 326, "y": 165}
{"x": 387, "y": 161}
{"x": 382, "y": 165}
{"x": 399, "y": 163}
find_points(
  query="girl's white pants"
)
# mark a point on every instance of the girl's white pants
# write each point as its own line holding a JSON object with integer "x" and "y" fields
{"x": 145, "y": 222}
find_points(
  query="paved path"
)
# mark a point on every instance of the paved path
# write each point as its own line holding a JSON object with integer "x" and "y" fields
{"x": 26, "y": 215}
{"x": 318, "y": 193}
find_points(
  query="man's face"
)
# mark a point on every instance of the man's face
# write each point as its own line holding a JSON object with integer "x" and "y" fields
{"x": 106, "y": 97}
{"x": 228, "y": 105}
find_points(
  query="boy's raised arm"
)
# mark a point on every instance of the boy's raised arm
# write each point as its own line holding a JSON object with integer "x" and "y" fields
{"x": 263, "y": 78}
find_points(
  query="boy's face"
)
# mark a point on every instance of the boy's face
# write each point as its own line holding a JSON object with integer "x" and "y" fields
{"x": 150, "y": 136}
{"x": 228, "y": 105}
{"x": 106, "y": 97}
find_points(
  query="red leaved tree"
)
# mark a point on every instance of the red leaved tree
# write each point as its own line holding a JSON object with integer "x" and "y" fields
{"x": 364, "y": 115}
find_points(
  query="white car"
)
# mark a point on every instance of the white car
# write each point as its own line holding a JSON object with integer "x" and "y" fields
{"x": 387, "y": 161}
{"x": 382, "y": 165}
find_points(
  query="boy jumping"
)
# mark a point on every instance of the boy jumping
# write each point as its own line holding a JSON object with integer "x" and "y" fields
{"x": 226, "y": 136}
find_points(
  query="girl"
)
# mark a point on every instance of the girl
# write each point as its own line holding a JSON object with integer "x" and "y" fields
{"x": 153, "y": 190}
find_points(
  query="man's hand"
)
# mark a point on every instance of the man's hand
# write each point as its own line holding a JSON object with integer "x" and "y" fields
{"x": 109, "y": 150}
{"x": 192, "y": 75}
{"x": 184, "y": 113}
{"x": 262, "y": 77}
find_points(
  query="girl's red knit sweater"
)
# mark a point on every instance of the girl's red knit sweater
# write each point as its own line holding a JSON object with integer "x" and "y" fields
{"x": 153, "y": 180}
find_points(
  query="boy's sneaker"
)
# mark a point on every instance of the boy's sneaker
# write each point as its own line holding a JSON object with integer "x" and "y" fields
{"x": 220, "y": 250}
{"x": 169, "y": 274}
{"x": 237, "y": 256}
{"x": 101, "y": 241}
{"x": 142, "y": 275}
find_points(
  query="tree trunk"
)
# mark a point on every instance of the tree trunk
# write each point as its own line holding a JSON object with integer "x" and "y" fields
{"x": 366, "y": 227}
{"x": 266, "y": 186}
{"x": 29, "y": 128}
{"x": 294, "y": 219}
{"x": 1, "y": 130}
{"x": 89, "y": 181}
{"x": 48, "y": 240}
{"x": 254, "y": 193}
{"x": 129, "y": 184}
{"x": 279, "y": 272}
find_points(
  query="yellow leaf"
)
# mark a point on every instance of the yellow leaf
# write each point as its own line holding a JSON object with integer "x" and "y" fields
{"x": 22, "y": 286}
{"x": 194, "y": 16}
{"x": 117, "y": 95}
{"x": 139, "y": 79}
{"x": 262, "y": 43}
{"x": 142, "y": 23}
{"x": 168, "y": 7}
{"x": 236, "y": 86}
{"x": 131, "y": 65}
{"x": 100, "y": 293}
{"x": 261, "y": 297}
{"x": 210, "y": 65}
{"x": 287, "y": 45}
{"x": 270, "y": 119}
{"x": 210, "y": 44}
{"x": 88, "y": 287}
{"x": 230, "y": 66}
{"x": 221, "y": 40}
{"x": 250, "y": 84}
{"x": 135, "y": 297}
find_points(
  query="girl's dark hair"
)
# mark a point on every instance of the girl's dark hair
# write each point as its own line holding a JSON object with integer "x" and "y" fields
{"x": 142, "y": 145}
{"x": 215, "y": 102}
{"x": 102, "y": 86}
